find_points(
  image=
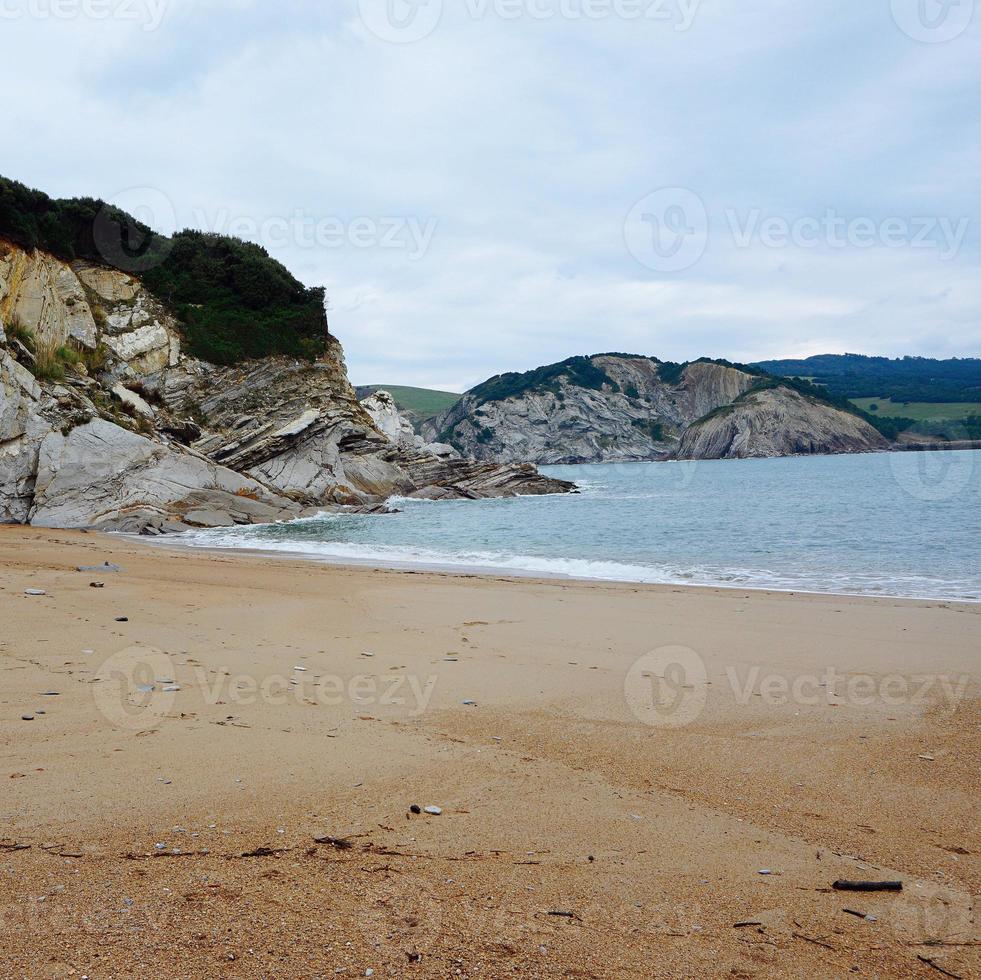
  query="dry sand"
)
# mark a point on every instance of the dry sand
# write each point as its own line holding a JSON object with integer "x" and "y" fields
{"x": 578, "y": 783}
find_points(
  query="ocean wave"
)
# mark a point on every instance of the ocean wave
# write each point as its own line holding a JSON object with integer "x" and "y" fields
{"x": 264, "y": 538}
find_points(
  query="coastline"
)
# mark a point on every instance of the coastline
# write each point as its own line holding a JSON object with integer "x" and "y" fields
{"x": 557, "y": 795}
{"x": 174, "y": 543}
{"x": 497, "y": 573}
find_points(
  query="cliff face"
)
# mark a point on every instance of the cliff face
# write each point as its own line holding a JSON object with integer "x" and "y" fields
{"x": 614, "y": 408}
{"x": 778, "y": 422}
{"x": 637, "y": 414}
{"x": 127, "y": 433}
{"x": 88, "y": 304}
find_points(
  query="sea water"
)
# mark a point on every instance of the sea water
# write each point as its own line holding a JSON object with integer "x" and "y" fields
{"x": 894, "y": 524}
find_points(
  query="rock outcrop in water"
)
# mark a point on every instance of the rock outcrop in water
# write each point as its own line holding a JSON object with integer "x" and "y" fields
{"x": 104, "y": 422}
{"x": 618, "y": 407}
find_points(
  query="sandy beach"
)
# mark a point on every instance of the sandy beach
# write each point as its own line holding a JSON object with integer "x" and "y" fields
{"x": 615, "y": 766}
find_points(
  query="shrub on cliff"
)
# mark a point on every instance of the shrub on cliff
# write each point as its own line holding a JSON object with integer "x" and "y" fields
{"x": 575, "y": 371}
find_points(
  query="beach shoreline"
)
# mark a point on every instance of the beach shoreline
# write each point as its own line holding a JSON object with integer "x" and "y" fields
{"x": 450, "y": 569}
{"x": 501, "y": 573}
{"x": 321, "y": 700}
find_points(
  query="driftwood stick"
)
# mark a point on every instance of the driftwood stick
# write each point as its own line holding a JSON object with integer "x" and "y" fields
{"x": 816, "y": 942}
{"x": 933, "y": 964}
{"x": 867, "y": 886}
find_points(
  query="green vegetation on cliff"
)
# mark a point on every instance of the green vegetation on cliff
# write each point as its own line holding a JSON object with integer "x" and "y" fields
{"x": 232, "y": 299}
{"x": 578, "y": 371}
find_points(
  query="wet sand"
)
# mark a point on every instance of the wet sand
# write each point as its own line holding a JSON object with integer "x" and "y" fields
{"x": 634, "y": 758}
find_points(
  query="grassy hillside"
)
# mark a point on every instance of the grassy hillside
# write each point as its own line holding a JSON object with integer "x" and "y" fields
{"x": 907, "y": 379}
{"x": 232, "y": 299}
{"x": 424, "y": 403}
{"x": 918, "y": 411}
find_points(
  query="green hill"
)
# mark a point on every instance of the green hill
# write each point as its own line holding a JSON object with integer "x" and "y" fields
{"x": 424, "y": 403}
{"x": 906, "y": 379}
{"x": 232, "y": 299}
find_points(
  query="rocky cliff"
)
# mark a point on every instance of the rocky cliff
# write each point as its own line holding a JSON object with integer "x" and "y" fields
{"x": 777, "y": 422}
{"x": 618, "y": 407}
{"x": 105, "y": 422}
{"x": 90, "y": 305}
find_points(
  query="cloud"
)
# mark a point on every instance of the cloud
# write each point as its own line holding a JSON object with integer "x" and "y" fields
{"x": 523, "y": 144}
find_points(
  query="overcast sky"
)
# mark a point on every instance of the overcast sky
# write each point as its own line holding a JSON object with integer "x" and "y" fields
{"x": 491, "y": 185}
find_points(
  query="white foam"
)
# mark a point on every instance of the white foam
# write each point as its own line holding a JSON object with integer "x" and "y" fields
{"x": 405, "y": 556}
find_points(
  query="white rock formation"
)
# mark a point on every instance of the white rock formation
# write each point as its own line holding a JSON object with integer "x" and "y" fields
{"x": 101, "y": 475}
{"x": 22, "y": 430}
{"x": 392, "y": 424}
{"x": 88, "y": 304}
{"x": 388, "y": 420}
{"x": 44, "y": 293}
